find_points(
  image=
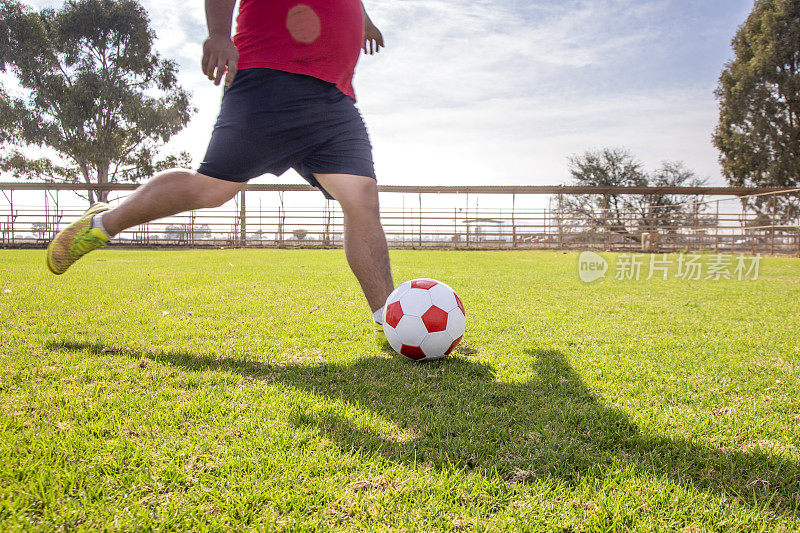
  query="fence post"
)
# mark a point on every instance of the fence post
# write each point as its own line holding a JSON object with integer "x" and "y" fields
{"x": 420, "y": 219}
{"x": 281, "y": 221}
{"x": 545, "y": 220}
{"x": 326, "y": 223}
{"x": 513, "y": 221}
{"x": 329, "y": 221}
{"x": 716, "y": 231}
{"x": 278, "y": 235}
{"x": 6, "y": 226}
{"x": 798, "y": 233}
{"x": 51, "y": 225}
{"x": 560, "y": 226}
{"x": 455, "y": 228}
{"x": 403, "y": 231}
{"x": 772, "y": 244}
{"x": 11, "y": 203}
{"x": 59, "y": 215}
{"x": 697, "y": 226}
{"x": 242, "y": 220}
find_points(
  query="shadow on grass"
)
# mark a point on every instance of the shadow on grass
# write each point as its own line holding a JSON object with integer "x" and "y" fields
{"x": 455, "y": 414}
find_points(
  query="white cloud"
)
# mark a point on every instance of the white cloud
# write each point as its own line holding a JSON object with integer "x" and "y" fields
{"x": 503, "y": 93}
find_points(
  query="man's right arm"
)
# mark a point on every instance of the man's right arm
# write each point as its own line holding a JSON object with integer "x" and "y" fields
{"x": 219, "y": 53}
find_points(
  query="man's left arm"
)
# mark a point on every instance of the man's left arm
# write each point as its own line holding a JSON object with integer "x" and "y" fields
{"x": 373, "y": 39}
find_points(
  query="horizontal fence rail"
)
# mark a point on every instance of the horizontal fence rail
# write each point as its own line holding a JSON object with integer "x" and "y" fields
{"x": 737, "y": 220}
{"x": 434, "y": 189}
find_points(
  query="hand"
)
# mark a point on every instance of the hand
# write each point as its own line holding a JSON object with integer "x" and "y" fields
{"x": 373, "y": 38}
{"x": 220, "y": 57}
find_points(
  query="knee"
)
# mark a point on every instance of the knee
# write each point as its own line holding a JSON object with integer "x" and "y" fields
{"x": 361, "y": 201}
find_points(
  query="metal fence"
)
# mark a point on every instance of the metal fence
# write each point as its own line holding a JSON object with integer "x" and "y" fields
{"x": 732, "y": 220}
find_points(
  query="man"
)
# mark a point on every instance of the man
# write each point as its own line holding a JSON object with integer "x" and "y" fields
{"x": 288, "y": 103}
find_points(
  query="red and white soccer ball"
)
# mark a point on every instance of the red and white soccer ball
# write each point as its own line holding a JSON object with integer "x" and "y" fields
{"x": 424, "y": 319}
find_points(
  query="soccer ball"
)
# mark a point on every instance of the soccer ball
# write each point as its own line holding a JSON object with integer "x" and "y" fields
{"x": 424, "y": 319}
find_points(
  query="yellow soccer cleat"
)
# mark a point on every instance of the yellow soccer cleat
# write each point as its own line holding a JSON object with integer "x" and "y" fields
{"x": 76, "y": 240}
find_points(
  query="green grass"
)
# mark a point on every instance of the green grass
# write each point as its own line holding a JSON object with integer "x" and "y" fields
{"x": 177, "y": 390}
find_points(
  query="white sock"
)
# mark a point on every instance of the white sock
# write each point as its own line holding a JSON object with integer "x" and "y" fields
{"x": 97, "y": 222}
{"x": 377, "y": 316}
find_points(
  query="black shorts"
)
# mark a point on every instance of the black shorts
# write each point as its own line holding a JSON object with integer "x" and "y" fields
{"x": 271, "y": 121}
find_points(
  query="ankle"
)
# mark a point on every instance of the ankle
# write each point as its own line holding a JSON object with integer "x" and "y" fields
{"x": 377, "y": 315}
{"x": 99, "y": 221}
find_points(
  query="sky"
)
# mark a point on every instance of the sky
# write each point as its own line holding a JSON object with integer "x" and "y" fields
{"x": 502, "y": 92}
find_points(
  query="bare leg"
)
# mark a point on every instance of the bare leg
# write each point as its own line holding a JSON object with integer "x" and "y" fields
{"x": 364, "y": 241}
{"x": 168, "y": 193}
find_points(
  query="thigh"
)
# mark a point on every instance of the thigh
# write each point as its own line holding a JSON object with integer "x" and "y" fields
{"x": 350, "y": 190}
{"x": 217, "y": 188}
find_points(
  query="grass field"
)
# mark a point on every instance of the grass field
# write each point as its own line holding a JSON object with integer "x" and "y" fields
{"x": 177, "y": 390}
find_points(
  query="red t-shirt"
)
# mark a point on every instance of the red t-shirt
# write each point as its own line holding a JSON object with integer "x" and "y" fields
{"x": 319, "y": 38}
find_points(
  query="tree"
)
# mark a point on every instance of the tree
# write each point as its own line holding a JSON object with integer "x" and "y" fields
{"x": 96, "y": 101}
{"x": 186, "y": 232}
{"x": 626, "y": 214}
{"x": 666, "y": 211}
{"x": 758, "y": 134}
{"x": 610, "y": 167}
{"x": 39, "y": 230}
